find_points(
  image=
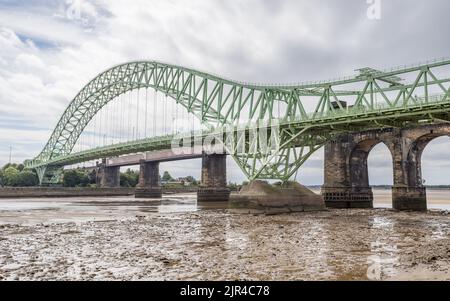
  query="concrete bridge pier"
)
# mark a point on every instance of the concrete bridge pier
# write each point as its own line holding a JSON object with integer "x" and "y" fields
{"x": 214, "y": 179}
{"x": 108, "y": 177}
{"x": 149, "y": 181}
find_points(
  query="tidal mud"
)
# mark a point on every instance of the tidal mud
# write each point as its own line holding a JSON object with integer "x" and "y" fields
{"x": 216, "y": 245}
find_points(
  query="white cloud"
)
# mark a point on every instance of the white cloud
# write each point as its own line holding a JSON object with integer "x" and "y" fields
{"x": 41, "y": 27}
{"x": 30, "y": 61}
{"x": 46, "y": 57}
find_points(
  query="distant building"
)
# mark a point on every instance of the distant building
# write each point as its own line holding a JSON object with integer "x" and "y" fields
{"x": 180, "y": 181}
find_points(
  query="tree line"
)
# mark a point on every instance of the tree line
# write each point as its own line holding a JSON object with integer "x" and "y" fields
{"x": 84, "y": 178}
{"x": 16, "y": 175}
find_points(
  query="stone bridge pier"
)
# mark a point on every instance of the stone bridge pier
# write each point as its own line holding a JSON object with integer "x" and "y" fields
{"x": 214, "y": 179}
{"x": 346, "y": 173}
{"x": 149, "y": 181}
{"x": 108, "y": 177}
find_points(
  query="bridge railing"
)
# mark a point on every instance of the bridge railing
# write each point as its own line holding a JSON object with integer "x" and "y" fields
{"x": 352, "y": 77}
{"x": 378, "y": 108}
{"x": 416, "y": 65}
{"x": 328, "y": 81}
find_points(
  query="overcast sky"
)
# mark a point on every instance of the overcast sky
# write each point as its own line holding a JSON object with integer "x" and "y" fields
{"x": 50, "y": 49}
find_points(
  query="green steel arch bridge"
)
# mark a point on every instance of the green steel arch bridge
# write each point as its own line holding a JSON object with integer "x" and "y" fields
{"x": 309, "y": 114}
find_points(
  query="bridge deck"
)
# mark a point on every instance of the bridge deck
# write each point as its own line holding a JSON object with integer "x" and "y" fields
{"x": 156, "y": 156}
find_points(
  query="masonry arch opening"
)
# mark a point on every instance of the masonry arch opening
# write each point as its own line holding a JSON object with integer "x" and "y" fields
{"x": 380, "y": 174}
{"x": 435, "y": 172}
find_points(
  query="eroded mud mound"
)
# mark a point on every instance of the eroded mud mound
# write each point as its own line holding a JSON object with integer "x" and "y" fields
{"x": 259, "y": 197}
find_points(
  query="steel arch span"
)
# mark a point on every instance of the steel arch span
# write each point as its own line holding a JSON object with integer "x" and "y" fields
{"x": 310, "y": 114}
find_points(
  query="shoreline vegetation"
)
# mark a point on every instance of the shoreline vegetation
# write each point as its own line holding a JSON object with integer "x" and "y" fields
{"x": 17, "y": 176}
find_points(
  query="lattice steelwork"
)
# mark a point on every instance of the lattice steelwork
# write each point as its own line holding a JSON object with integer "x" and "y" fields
{"x": 310, "y": 114}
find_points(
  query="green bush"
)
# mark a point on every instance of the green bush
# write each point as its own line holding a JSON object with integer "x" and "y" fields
{"x": 167, "y": 177}
{"x": 129, "y": 179}
{"x": 75, "y": 178}
{"x": 13, "y": 175}
{"x": 27, "y": 178}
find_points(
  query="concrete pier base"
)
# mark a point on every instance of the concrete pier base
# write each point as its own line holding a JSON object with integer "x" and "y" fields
{"x": 108, "y": 177}
{"x": 409, "y": 198}
{"x": 213, "y": 194}
{"x": 149, "y": 186}
{"x": 149, "y": 193}
{"x": 214, "y": 179}
{"x": 348, "y": 197}
{"x": 260, "y": 197}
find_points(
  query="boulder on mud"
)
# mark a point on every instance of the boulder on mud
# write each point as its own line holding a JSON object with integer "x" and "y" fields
{"x": 260, "y": 197}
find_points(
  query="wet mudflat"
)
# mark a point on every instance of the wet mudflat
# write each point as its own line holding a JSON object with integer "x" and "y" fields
{"x": 114, "y": 239}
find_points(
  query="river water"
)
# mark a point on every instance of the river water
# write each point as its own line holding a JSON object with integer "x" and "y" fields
{"x": 436, "y": 199}
{"x": 127, "y": 239}
{"x": 38, "y": 210}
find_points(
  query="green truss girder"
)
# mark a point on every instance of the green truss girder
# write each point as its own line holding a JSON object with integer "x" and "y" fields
{"x": 220, "y": 102}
